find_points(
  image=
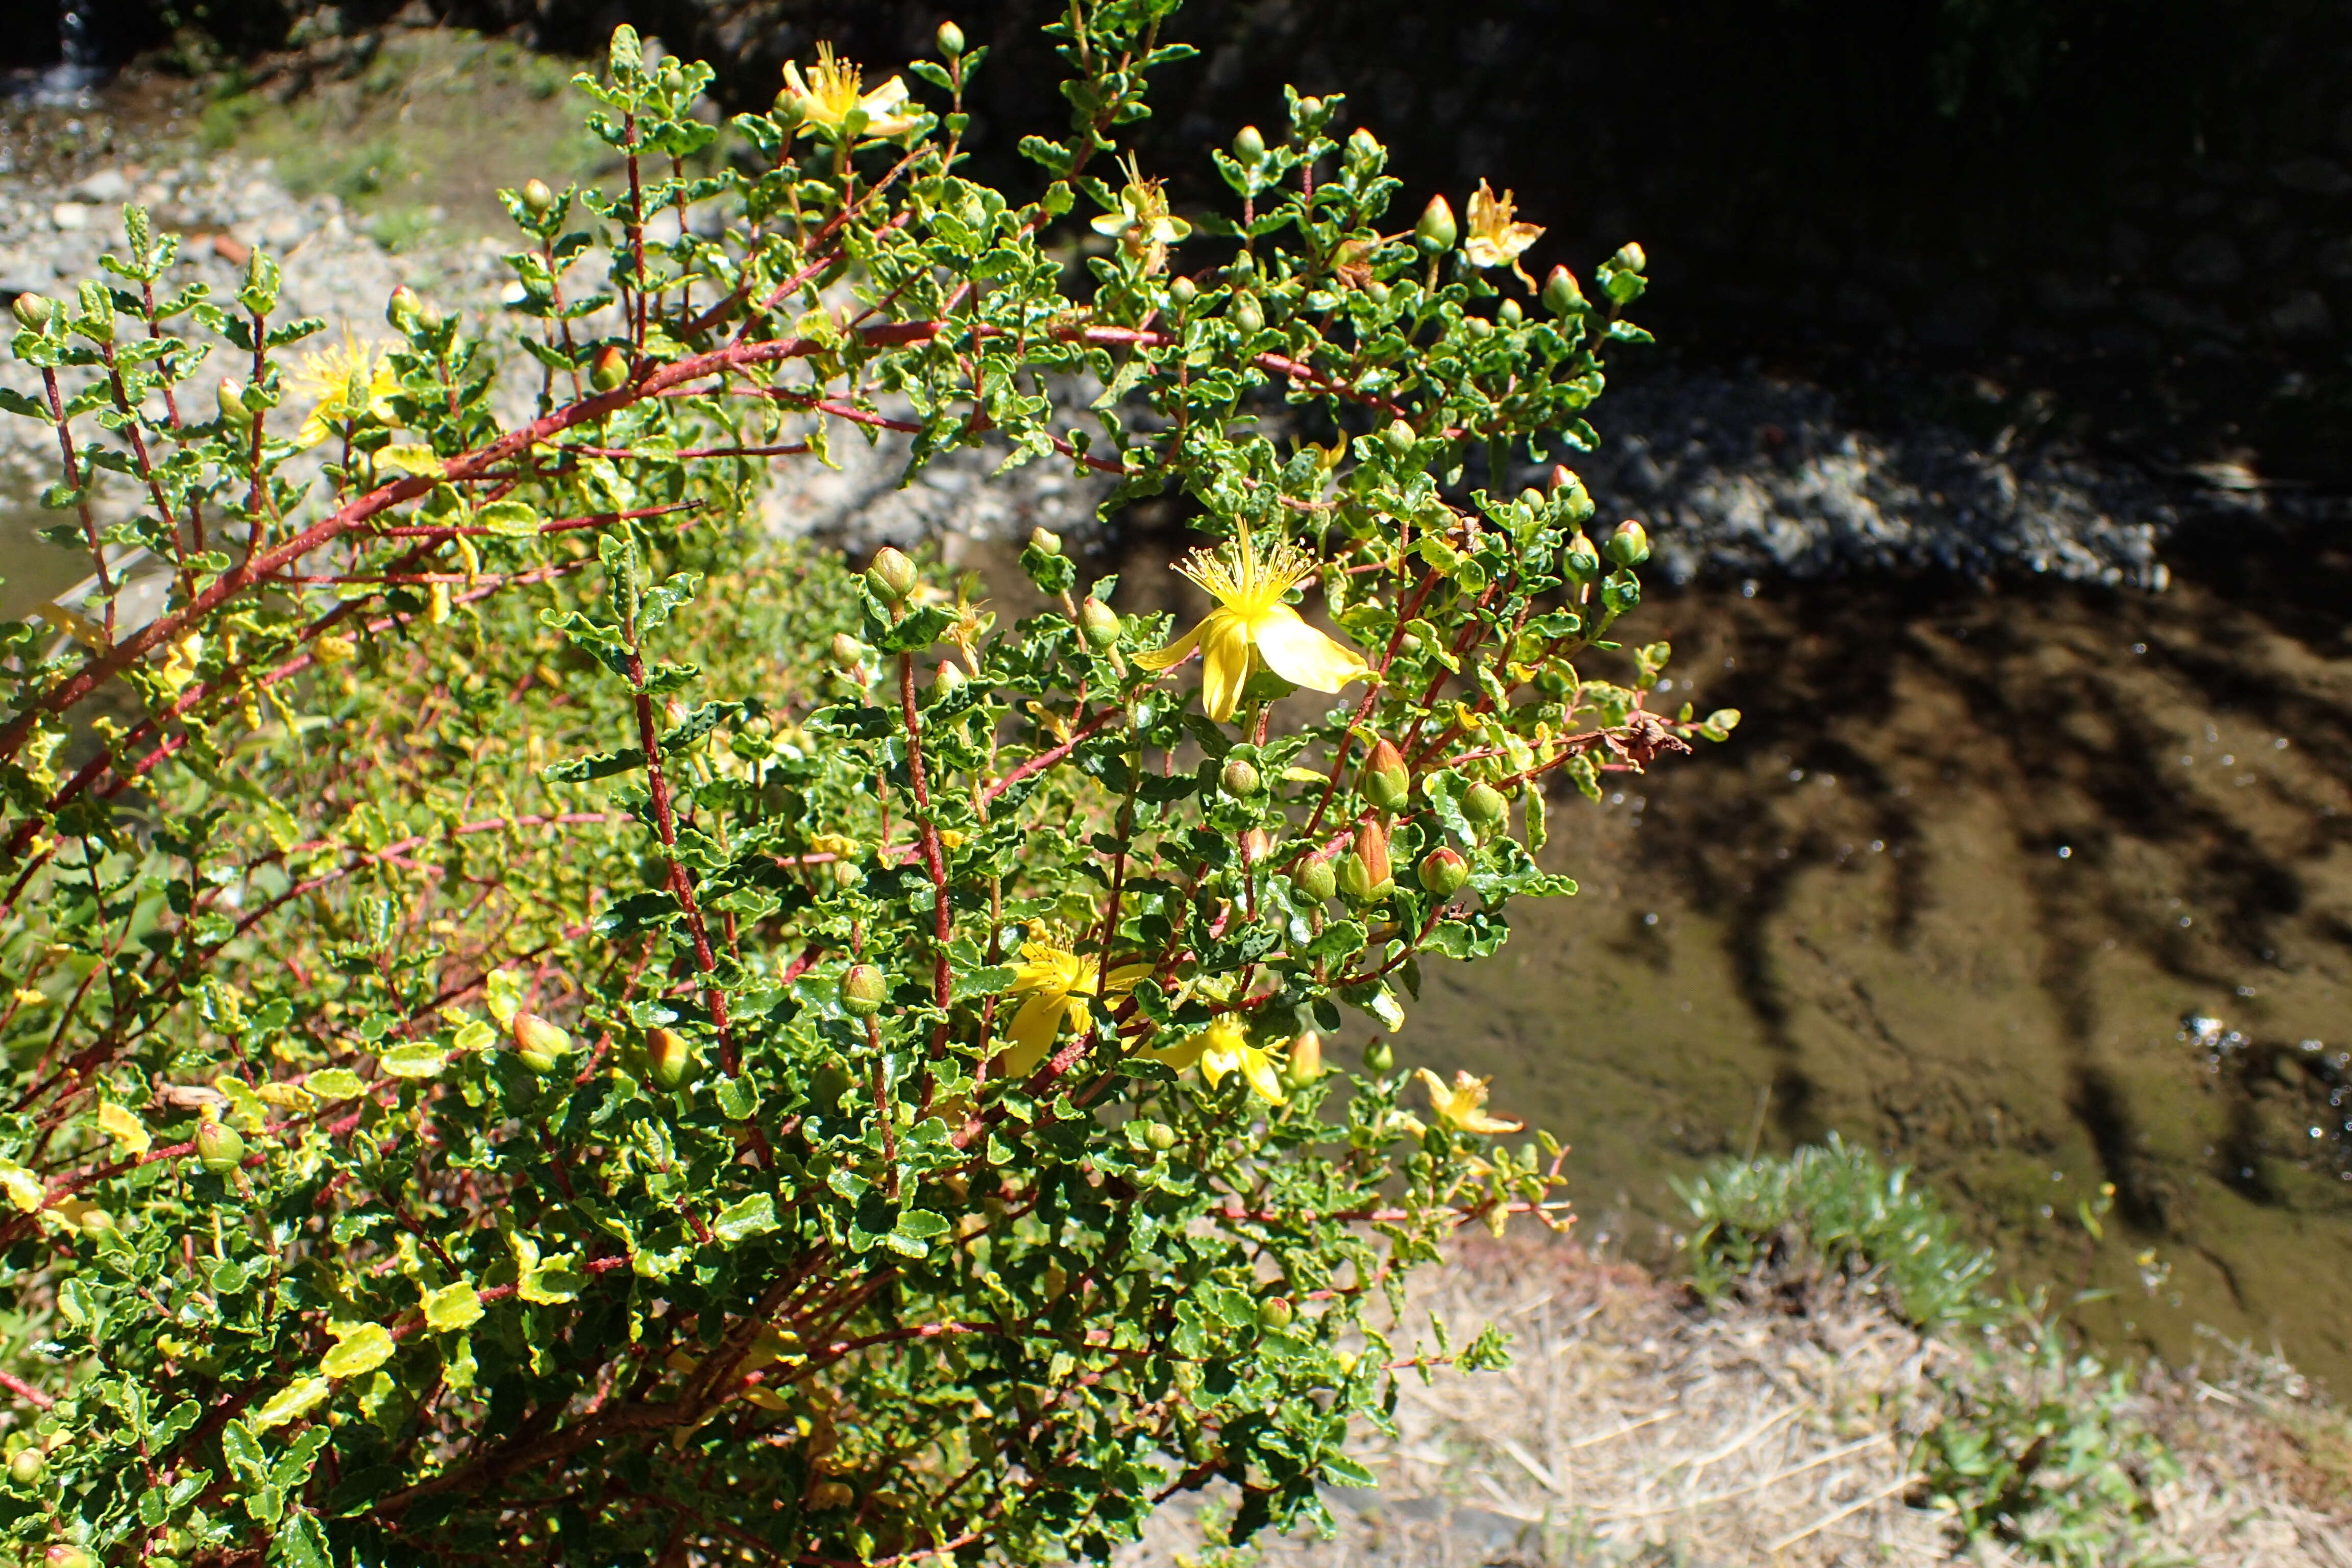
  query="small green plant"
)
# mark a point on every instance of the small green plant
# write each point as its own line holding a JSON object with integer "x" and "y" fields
{"x": 2038, "y": 1450}
{"x": 1835, "y": 1209}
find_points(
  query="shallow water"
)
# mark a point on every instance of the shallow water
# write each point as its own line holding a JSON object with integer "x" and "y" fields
{"x": 1952, "y": 889}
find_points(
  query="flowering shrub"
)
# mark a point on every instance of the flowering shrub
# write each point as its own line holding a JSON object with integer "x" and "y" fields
{"x": 546, "y": 1025}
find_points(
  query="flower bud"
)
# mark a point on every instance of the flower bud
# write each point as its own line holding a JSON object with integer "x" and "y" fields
{"x": 1305, "y": 1059}
{"x": 230, "y": 398}
{"x": 1560, "y": 294}
{"x": 950, "y": 678}
{"x": 846, "y": 652}
{"x": 891, "y": 576}
{"x": 863, "y": 990}
{"x": 1443, "y": 872}
{"x": 1383, "y": 780}
{"x": 1308, "y": 108}
{"x": 1372, "y": 850}
{"x": 1249, "y": 144}
{"x": 1248, "y": 314}
{"x": 1254, "y": 845}
{"x": 1509, "y": 313}
{"x": 1240, "y": 778}
{"x": 1099, "y": 623}
{"x": 537, "y": 199}
{"x": 1184, "y": 291}
{"x": 1436, "y": 231}
{"x": 1314, "y": 877}
{"x": 401, "y": 308}
{"x": 1045, "y": 541}
{"x": 1354, "y": 881}
{"x": 95, "y": 1223}
{"x": 1630, "y": 257}
{"x": 68, "y": 1556}
{"x": 1274, "y": 1313}
{"x": 1484, "y": 804}
{"x": 1362, "y": 145}
{"x": 1400, "y": 436}
{"x": 540, "y": 1044}
{"x": 34, "y": 311}
{"x": 609, "y": 369}
{"x": 1581, "y": 562}
{"x": 1630, "y": 545}
{"x": 219, "y": 1147}
{"x": 1159, "y": 1135}
{"x": 1379, "y": 1056}
{"x": 951, "y": 40}
{"x": 26, "y": 1468}
{"x": 668, "y": 1057}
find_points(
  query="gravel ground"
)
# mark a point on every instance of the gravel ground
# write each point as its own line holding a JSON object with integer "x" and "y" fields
{"x": 1742, "y": 475}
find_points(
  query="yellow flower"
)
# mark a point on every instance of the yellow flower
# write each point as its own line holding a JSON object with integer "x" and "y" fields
{"x": 1225, "y": 1047}
{"x": 1251, "y": 625}
{"x": 348, "y": 383}
{"x": 1494, "y": 240}
{"x": 829, "y": 94}
{"x": 1143, "y": 226}
{"x": 1058, "y": 984}
{"x": 1464, "y": 1105}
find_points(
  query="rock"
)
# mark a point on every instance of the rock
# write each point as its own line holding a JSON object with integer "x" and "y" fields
{"x": 2336, "y": 257}
{"x": 69, "y": 216}
{"x": 2064, "y": 294}
{"x": 2319, "y": 176}
{"x": 2126, "y": 247}
{"x": 2302, "y": 314}
{"x": 108, "y": 188}
{"x": 2208, "y": 262}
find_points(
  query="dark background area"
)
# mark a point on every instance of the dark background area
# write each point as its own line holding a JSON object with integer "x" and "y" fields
{"x": 2124, "y": 222}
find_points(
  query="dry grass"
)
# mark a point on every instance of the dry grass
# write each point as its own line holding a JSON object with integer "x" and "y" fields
{"x": 1630, "y": 1430}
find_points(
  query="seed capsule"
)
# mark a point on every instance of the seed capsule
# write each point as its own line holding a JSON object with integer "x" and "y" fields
{"x": 668, "y": 1056}
{"x": 1240, "y": 778}
{"x": 220, "y": 1149}
{"x": 1099, "y": 625}
{"x": 846, "y": 652}
{"x": 951, "y": 39}
{"x": 1400, "y": 436}
{"x": 26, "y": 1468}
{"x": 609, "y": 369}
{"x": 1314, "y": 878}
{"x": 1274, "y": 1313}
{"x": 1484, "y": 804}
{"x": 1436, "y": 231}
{"x": 1379, "y": 1057}
{"x": 1249, "y": 315}
{"x": 1249, "y": 144}
{"x": 892, "y": 574}
{"x": 1305, "y": 1059}
{"x": 1561, "y": 295}
{"x": 1443, "y": 872}
{"x": 1383, "y": 780}
{"x": 1161, "y": 1136}
{"x": 1582, "y": 562}
{"x": 1509, "y": 313}
{"x": 864, "y": 989}
{"x": 537, "y": 199}
{"x": 1184, "y": 291}
{"x": 229, "y": 397}
{"x": 541, "y": 1045}
{"x": 1630, "y": 545}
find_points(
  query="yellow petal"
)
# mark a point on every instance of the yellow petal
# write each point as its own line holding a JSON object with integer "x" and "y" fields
{"x": 1175, "y": 652}
{"x": 1259, "y": 1069}
{"x": 1225, "y": 666}
{"x": 1128, "y": 976}
{"x": 1114, "y": 224}
{"x": 1303, "y": 656}
{"x": 122, "y": 1127}
{"x": 1033, "y": 1032}
{"x": 1182, "y": 1054}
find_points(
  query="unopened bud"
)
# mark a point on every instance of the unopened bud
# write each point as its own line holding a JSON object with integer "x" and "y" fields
{"x": 1159, "y": 1135}
{"x": 1274, "y": 1313}
{"x": 1305, "y": 1059}
{"x": 1443, "y": 872}
{"x": 334, "y": 648}
{"x": 1379, "y": 1056}
{"x": 1248, "y": 314}
{"x": 863, "y": 990}
{"x": 846, "y": 653}
{"x": 1383, "y": 780}
{"x": 26, "y": 1468}
{"x": 1362, "y": 145}
{"x": 1254, "y": 845}
{"x": 1484, "y": 804}
{"x": 1308, "y": 108}
{"x": 541, "y": 1045}
{"x": 668, "y": 1056}
{"x": 1630, "y": 257}
{"x": 537, "y": 199}
{"x": 1314, "y": 877}
{"x": 1372, "y": 850}
{"x": 1582, "y": 562}
{"x": 1249, "y": 144}
{"x": 67, "y": 1556}
{"x": 1509, "y": 313}
{"x": 1561, "y": 295}
{"x": 33, "y": 311}
{"x": 1045, "y": 541}
{"x": 1184, "y": 291}
{"x": 1630, "y": 545}
{"x": 950, "y": 678}
{"x": 1099, "y": 623}
{"x": 609, "y": 369}
{"x": 96, "y": 1223}
{"x": 1400, "y": 436}
{"x": 401, "y": 308}
{"x": 892, "y": 574}
{"x": 219, "y": 1147}
{"x": 951, "y": 39}
{"x": 1436, "y": 231}
{"x": 230, "y": 398}
{"x": 1240, "y": 778}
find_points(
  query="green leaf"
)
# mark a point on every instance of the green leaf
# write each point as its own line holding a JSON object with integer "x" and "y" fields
{"x": 416, "y": 1059}
{"x": 452, "y": 1307}
{"x": 740, "y": 1221}
{"x": 292, "y": 1402}
{"x": 421, "y": 461}
{"x": 335, "y": 1083}
{"x": 359, "y": 1348}
{"x": 509, "y": 519}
